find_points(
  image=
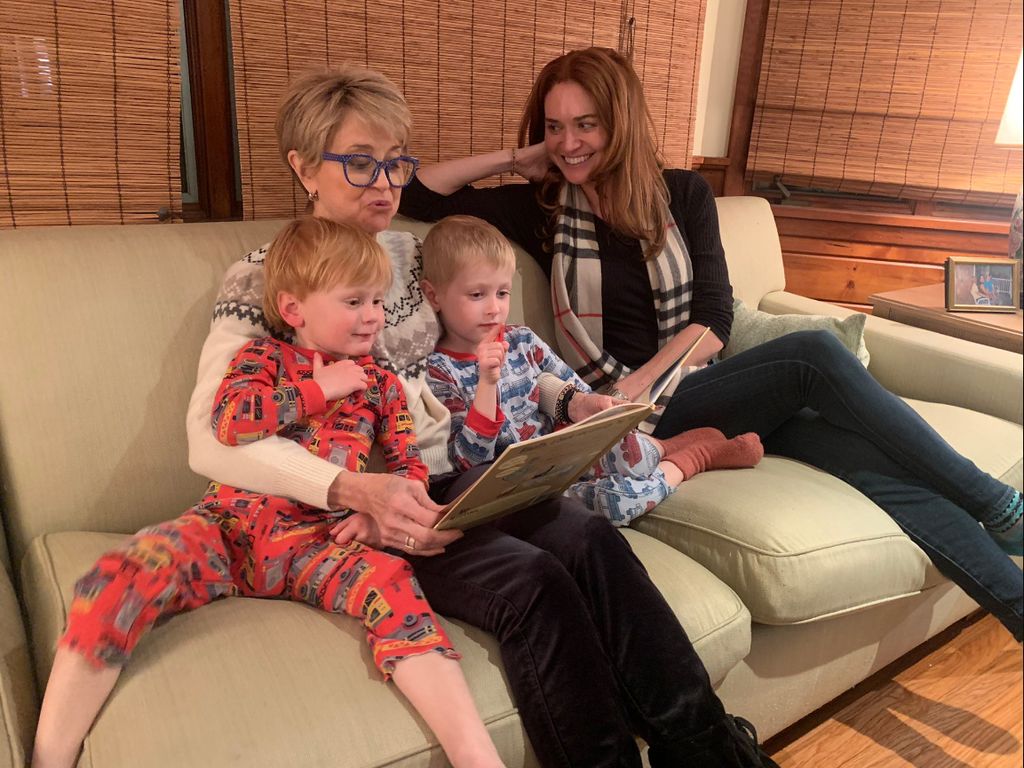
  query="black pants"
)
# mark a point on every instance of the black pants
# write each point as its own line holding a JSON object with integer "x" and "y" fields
{"x": 592, "y": 651}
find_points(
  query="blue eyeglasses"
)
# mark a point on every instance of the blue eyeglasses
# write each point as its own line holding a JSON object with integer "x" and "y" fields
{"x": 362, "y": 170}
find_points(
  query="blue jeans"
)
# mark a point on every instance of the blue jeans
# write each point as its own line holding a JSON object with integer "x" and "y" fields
{"x": 810, "y": 399}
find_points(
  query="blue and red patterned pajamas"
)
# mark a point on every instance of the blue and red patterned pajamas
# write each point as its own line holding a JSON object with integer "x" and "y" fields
{"x": 234, "y": 542}
{"x": 623, "y": 485}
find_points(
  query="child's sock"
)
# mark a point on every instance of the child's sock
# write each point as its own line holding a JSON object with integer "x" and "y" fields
{"x": 717, "y": 453}
{"x": 689, "y": 437}
{"x": 1007, "y": 526}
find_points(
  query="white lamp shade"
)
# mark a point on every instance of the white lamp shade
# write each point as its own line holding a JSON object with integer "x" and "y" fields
{"x": 1011, "y": 132}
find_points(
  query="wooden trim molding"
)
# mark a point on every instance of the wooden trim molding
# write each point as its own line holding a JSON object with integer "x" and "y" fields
{"x": 713, "y": 170}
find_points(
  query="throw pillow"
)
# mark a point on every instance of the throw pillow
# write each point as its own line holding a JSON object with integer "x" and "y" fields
{"x": 751, "y": 327}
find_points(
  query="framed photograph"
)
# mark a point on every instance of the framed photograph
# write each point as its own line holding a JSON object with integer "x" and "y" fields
{"x": 981, "y": 284}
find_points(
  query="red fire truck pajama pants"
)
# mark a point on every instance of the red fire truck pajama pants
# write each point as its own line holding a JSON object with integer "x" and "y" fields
{"x": 240, "y": 543}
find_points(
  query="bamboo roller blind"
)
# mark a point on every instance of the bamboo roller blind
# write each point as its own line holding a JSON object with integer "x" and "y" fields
{"x": 897, "y": 98}
{"x": 89, "y": 111}
{"x": 465, "y": 67}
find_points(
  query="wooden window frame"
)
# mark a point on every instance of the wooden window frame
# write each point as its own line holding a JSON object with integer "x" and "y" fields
{"x": 205, "y": 29}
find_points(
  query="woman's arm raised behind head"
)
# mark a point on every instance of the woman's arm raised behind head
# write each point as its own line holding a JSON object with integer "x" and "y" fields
{"x": 448, "y": 176}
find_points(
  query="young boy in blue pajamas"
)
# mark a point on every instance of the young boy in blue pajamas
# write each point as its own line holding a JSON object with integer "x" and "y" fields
{"x": 503, "y": 384}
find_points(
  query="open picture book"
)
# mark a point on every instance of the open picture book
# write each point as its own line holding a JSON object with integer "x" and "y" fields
{"x": 653, "y": 392}
{"x": 543, "y": 467}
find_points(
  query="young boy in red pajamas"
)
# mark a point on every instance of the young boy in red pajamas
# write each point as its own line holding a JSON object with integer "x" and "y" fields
{"x": 325, "y": 282}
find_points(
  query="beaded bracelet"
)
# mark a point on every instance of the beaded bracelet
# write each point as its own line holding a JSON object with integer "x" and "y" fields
{"x": 513, "y": 170}
{"x": 562, "y": 404}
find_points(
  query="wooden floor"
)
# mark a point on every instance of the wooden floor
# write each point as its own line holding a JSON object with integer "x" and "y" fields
{"x": 957, "y": 703}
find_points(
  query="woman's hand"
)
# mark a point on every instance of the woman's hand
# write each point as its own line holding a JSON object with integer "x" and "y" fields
{"x": 583, "y": 405}
{"x": 628, "y": 387}
{"x": 532, "y": 162}
{"x": 340, "y": 378}
{"x": 401, "y": 514}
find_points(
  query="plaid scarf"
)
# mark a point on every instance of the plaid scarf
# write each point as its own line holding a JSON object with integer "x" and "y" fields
{"x": 576, "y": 295}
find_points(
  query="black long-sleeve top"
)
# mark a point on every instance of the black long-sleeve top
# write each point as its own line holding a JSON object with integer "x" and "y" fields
{"x": 630, "y": 326}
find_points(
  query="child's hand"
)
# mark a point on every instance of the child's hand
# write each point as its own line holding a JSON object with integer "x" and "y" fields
{"x": 583, "y": 405}
{"x": 340, "y": 378}
{"x": 490, "y": 355}
{"x": 360, "y": 527}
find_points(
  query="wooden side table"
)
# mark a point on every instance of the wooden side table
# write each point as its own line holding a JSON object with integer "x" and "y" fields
{"x": 925, "y": 307}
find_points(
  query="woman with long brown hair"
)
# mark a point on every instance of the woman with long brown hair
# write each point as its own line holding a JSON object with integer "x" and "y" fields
{"x": 638, "y": 272}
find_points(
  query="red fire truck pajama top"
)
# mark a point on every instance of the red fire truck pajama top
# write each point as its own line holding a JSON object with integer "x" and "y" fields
{"x": 236, "y": 542}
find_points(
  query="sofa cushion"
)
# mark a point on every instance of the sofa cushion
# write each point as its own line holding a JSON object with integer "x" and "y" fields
{"x": 794, "y": 543}
{"x": 92, "y": 294}
{"x": 18, "y": 709}
{"x": 262, "y": 666}
{"x": 715, "y": 619}
{"x": 752, "y": 248}
{"x": 267, "y": 666}
{"x": 992, "y": 443}
{"x": 824, "y": 549}
{"x": 751, "y": 327}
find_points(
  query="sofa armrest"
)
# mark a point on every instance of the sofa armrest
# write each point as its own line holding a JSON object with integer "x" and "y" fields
{"x": 18, "y": 707}
{"x": 925, "y": 365}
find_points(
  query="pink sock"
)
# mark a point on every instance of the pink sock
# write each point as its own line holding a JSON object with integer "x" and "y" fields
{"x": 689, "y": 437}
{"x": 740, "y": 452}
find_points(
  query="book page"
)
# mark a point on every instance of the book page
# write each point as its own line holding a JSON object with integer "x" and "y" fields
{"x": 653, "y": 392}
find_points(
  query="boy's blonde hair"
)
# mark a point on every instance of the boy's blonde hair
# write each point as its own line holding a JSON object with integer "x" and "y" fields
{"x": 457, "y": 242}
{"x": 313, "y": 254}
{"x": 318, "y": 101}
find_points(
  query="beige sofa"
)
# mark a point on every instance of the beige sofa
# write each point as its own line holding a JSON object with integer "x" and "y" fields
{"x": 792, "y": 585}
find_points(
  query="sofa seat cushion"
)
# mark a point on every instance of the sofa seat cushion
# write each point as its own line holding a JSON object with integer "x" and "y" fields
{"x": 824, "y": 549}
{"x": 202, "y": 683}
{"x": 18, "y": 706}
{"x": 715, "y": 619}
{"x": 994, "y": 444}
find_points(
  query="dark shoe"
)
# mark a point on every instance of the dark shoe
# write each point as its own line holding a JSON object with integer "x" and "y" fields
{"x": 730, "y": 744}
{"x": 745, "y": 739}
{"x": 705, "y": 750}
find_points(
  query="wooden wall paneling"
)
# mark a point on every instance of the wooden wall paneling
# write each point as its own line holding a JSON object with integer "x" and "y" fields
{"x": 852, "y": 281}
{"x": 825, "y": 210}
{"x": 870, "y": 251}
{"x": 953, "y": 240}
{"x": 844, "y": 255}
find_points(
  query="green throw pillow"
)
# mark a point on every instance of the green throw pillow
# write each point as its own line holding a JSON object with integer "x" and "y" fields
{"x": 751, "y": 327}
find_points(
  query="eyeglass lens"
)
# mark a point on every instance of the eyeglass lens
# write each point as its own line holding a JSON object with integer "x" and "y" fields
{"x": 361, "y": 170}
